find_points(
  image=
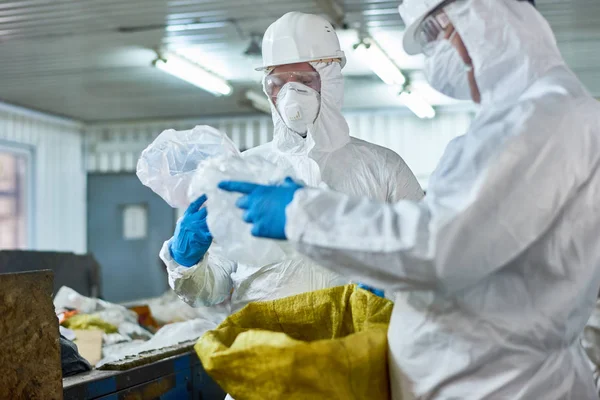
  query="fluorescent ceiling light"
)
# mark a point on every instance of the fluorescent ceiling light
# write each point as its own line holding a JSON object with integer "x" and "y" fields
{"x": 381, "y": 11}
{"x": 379, "y": 62}
{"x": 195, "y": 26}
{"x": 193, "y": 73}
{"x": 417, "y": 105}
{"x": 259, "y": 101}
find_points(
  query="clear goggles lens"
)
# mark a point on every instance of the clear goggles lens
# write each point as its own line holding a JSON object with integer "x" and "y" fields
{"x": 276, "y": 80}
{"x": 432, "y": 29}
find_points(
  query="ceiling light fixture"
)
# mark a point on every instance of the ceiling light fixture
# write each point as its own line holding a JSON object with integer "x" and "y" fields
{"x": 255, "y": 47}
{"x": 382, "y": 65}
{"x": 195, "y": 26}
{"x": 370, "y": 52}
{"x": 193, "y": 73}
{"x": 417, "y": 104}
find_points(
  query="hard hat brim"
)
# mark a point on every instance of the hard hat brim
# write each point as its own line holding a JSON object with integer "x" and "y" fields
{"x": 340, "y": 56}
{"x": 409, "y": 43}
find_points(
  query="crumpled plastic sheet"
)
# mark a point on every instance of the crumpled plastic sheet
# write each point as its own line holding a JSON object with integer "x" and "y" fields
{"x": 115, "y": 314}
{"x": 112, "y": 349}
{"x": 124, "y": 319}
{"x": 134, "y": 331}
{"x": 169, "y": 308}
{"x": 180, "y": 166}
{"x": 108, "y": 339}
{"x": 167, "y": 336}
{"x": 167, "y": 165}
{"x": 590, "y": 340}
{"x": 224, "y": 219}
{"x": 133, "y": 339}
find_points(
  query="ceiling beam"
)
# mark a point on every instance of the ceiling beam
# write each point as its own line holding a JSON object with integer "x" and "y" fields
{"x": 334, "y": 11}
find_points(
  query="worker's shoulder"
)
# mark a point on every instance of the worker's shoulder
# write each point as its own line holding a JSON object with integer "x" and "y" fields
{"x": 261, "y": 150}
{"x": 560, "y": 119}
{"x": 557, "y": 99}
{"x": 376, "y": 151}
{"x": 560, "y": 113}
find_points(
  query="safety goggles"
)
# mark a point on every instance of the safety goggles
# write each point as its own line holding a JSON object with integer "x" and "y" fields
{"x": 432, "y": 29}
{"x": 276, "y": 80}
{"x": 434, "y": 26}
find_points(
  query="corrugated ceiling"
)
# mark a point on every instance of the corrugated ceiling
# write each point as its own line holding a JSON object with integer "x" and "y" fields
{"x": 90, "y": 59}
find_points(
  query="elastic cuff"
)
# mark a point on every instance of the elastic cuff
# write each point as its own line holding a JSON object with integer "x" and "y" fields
{"x": 183, "y": 264}
{"x": 169, "y": 248}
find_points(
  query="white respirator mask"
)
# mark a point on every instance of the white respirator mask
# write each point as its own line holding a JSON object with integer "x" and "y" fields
{"x": 298, "y": 106}
{"x": 446, "y": 71}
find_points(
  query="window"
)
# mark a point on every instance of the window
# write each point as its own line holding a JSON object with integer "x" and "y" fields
{"x": 14, "y": 196}
{"x": 135, "y": 222}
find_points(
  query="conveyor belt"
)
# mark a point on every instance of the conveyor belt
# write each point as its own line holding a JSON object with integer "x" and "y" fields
{"x": 177, "y": 377}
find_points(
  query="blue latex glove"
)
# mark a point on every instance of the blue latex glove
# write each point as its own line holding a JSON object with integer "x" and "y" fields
{"x": 265, "y": 205}
{"x": 192, "y": 237}
{"x": 376, "y": 292}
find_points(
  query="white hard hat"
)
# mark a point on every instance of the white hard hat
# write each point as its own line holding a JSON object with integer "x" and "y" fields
{"x": 297, "y": 37}
{"x": 413, "y": 12}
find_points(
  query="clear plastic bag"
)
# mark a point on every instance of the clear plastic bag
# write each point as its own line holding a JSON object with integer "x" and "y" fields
{"x": 169, "y": 308}
{"x": 167, "y": 165}
{"x": 180, "y": 166}
{"x": 224, "y": 218}
{"x": 124, "y": 319}
{"x": 114, "y": 314}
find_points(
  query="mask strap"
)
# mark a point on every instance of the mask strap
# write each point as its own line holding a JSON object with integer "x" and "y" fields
{"x": 466, "y": 67}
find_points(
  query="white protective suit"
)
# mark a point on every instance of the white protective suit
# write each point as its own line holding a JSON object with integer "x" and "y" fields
{"x": 591, "y": 343}
{"x": 328, "y": 154}
{"x": 497, "y": 270}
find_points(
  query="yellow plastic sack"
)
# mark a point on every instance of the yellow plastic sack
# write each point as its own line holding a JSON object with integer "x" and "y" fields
{"x": 327, "y": 344}
{"x": 87, "y": 322}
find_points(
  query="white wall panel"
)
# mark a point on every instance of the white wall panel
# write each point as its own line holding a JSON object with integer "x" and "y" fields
{"x": 420, "y": 142}
{"x": 59, "y": 177}
{"x": 116, "y": 147}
